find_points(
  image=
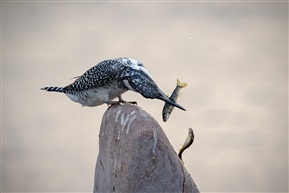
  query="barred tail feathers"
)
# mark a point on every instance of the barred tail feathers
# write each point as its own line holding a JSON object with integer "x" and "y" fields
{"x": 53, "y": 89}
{"x": 182, "y": 85}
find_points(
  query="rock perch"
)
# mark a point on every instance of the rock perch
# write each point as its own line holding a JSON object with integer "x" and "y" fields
{"x": 136, "y": 156}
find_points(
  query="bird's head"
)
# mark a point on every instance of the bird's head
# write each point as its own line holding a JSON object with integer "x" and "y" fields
{"x": 136, "y": 65}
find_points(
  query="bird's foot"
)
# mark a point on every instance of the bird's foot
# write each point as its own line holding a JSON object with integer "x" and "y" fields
{"x": 129, "y": 102}
{"x": 132, "y": 102}
{"x": 111, "y": 103}
{"x": 120, "y": 101}
{"x": 126, "y": 102}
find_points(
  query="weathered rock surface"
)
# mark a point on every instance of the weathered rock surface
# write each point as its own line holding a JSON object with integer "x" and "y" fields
{"x": 136, "y": 156}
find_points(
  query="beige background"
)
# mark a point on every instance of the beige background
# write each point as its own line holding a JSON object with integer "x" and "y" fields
{"x": 233, "y": 55}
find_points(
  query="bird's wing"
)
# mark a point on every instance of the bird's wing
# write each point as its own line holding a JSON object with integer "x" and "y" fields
{"x": 101, "y": 75}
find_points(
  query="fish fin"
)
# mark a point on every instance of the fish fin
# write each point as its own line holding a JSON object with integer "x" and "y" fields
{"x": 182, "y": 85}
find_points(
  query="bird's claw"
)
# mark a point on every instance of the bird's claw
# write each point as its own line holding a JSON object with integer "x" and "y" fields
{"x": 128, "y": 102}
{"x": 111, "y": 103}
{"x": 132, "y": 102}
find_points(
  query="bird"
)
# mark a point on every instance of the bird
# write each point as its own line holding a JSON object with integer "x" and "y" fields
{"x": 108, "y": 80}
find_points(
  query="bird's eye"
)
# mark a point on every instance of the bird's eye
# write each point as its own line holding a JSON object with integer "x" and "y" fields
{"x": 140, "y": 64}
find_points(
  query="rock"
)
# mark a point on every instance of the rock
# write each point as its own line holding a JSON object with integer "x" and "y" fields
{"x": 136, "y": 156}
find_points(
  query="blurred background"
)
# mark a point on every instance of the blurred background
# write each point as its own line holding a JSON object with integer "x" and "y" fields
{"x": 233, "y": 55}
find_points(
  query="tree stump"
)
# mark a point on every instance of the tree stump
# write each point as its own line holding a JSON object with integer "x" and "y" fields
{"x": 136, "y": 156}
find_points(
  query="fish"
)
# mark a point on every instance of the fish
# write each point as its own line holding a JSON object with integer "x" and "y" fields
{"x": 167, "y": 110}
{"x": 188, "y": 142}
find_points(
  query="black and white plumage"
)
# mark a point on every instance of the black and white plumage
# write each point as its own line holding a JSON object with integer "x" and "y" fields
{"x": 109, "y": 79}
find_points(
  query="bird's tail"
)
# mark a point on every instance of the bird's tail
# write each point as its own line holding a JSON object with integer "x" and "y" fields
{"x": 167, "y": 100}
{"x": 53, "y": 89}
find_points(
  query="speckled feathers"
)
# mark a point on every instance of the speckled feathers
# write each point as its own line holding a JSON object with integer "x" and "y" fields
{"x": 110, "y": 79}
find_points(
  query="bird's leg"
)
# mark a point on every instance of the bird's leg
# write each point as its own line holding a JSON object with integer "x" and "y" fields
{"x": 112, "y": 102}
{"x": 122, "y": 101}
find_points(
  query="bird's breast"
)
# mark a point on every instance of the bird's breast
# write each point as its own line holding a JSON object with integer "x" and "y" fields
{"x": 95, "y": 97}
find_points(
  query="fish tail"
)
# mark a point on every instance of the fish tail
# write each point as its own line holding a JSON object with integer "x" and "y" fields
{"x": 182, "y": 85}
